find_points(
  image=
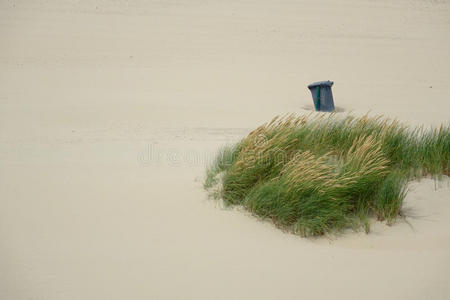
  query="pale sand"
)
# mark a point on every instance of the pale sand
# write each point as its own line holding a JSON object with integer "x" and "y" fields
{"x": 109, "y": 109}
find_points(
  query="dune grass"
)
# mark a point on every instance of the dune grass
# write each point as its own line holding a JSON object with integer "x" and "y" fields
{"x": 324, "y": 174}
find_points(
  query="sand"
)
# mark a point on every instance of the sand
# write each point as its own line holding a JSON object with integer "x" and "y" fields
{"x": 109, "y": 111}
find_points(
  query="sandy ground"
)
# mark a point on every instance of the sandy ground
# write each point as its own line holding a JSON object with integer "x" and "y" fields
{"x": 109, "y": 111}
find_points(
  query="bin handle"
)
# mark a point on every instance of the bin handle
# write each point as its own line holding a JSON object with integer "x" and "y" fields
{"x": 318, "y": 98}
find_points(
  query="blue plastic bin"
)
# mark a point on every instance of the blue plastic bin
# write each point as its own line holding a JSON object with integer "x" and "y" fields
{"x": 322, "y": 95}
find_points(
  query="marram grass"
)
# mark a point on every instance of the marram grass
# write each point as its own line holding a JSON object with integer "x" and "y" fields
{"x": 313, "y": 176}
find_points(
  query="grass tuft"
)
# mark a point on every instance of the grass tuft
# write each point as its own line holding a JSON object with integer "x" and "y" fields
{"x": 324, "y": 174}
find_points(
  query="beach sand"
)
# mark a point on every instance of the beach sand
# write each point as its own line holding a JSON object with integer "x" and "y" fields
{"x": 110, "y": 111}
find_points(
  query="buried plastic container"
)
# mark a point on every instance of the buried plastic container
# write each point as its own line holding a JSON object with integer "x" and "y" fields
{"x": 322, "y": 95}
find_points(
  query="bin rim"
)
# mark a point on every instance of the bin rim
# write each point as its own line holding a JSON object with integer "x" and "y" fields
{"x": 320, "y": 83}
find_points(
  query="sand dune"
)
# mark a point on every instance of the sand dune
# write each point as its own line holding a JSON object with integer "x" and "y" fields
{"x": 109, "y": 111}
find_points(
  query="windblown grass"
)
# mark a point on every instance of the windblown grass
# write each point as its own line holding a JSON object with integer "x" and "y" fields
{"x": 313, "y": 176}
